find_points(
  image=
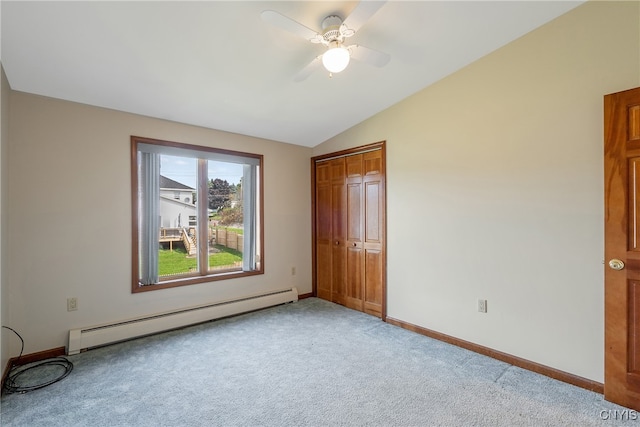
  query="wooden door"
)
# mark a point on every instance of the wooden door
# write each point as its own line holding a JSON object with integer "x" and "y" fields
{"x": 622, "y": 248}
{"x": 349, "y": 229}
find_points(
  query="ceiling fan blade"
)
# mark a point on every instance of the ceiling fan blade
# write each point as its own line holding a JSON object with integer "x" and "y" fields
{"x": 361, "y": 14}
{"x": 309, "y": 69}
{"x": 368, "y": 55}
{"x": 279, "y": 20}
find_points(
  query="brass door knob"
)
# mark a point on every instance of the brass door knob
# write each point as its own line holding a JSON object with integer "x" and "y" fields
{"x": 616, "y": 264}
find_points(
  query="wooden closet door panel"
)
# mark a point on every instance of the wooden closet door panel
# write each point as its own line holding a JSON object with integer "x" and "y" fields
{"x": 373, "y": 258}
{"x": 354, "y": 208}
{"x": 355, "y": 211}
{"x": 323, "y": 272}
{"x": 372, "y": 163}
{"x": 354, "y": 298}
{"x": 323, "y": 215}
{"x": 323, "y": 241}
{"x": 338, "y": 230}
{"x": 373, "y": 282}
{"x": 338, "y": 274}
{"x": 372, "y": 211}
{"x": 354, "y": 166}
{"x": 323, "y": 231}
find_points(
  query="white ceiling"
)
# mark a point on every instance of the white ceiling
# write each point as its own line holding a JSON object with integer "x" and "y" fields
{"x": 218, "y": 65}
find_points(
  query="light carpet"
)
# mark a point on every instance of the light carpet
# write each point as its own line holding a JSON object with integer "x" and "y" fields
{"x": 309, "y": 363}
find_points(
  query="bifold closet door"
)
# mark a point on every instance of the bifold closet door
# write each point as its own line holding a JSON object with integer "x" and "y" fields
{"x": 349, "y": 197}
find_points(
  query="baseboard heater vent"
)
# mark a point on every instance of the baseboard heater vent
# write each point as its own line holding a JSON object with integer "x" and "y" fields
{"x": 94, "y": 336}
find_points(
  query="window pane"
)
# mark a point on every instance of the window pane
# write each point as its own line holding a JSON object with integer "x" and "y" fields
{"x": 224, "y": 182}
{"x": 178, "y": 254}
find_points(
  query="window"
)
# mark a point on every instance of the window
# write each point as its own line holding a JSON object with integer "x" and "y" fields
{"x": 222, "y": 235}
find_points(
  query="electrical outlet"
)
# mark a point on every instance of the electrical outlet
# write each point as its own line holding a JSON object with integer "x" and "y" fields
{"x": 482, "y": 305}
{"x": 293, "y": 271}
{"x": 72, "y": 304}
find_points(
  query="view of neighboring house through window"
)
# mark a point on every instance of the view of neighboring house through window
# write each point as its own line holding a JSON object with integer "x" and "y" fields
{"x": 177, "y": 238}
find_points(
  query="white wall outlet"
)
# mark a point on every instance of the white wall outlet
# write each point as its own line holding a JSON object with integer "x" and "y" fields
{"x": 482, "y": 305}
{"x": 72, "y": 304}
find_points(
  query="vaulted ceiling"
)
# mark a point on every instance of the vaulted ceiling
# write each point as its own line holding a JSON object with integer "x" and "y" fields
{"x": 219, "y": 65}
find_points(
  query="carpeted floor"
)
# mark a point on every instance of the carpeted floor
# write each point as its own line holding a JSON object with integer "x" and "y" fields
{"x": 310, "y": 363}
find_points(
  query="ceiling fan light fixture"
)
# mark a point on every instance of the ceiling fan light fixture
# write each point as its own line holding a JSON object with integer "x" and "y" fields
{"x": 336, "y": 58}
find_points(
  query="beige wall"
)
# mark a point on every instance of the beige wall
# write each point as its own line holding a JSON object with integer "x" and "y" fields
{"x": 61, "y": 247}
{"x": 4, "y": 142}
{"x": 495, "y": 190}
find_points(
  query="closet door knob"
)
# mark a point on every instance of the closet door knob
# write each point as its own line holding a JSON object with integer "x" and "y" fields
{"x": 616, "y": 264}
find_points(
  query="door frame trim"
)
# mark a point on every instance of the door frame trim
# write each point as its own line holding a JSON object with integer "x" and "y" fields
{"x": 381, "y": 145}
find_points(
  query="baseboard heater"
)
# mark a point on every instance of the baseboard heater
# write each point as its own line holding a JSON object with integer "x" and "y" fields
{"x": 95, "y": 336}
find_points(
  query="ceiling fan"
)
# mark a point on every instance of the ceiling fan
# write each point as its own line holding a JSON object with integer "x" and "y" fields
{"x": 333, "y": 34}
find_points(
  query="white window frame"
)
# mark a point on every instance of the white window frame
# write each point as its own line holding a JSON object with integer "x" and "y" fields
{"x": 145, "y": 172}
